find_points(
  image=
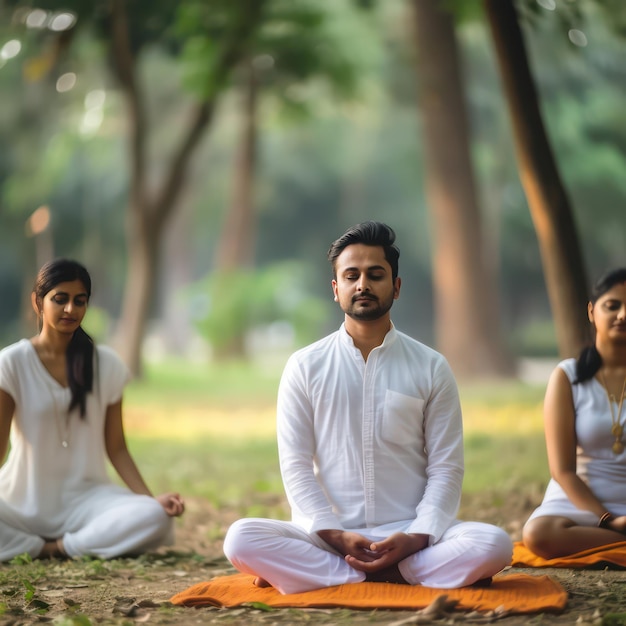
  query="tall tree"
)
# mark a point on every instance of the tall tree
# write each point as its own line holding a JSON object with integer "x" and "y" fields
{"x": 466, "y": 305}
{"x": 546, "y": 195}
{"x": 149, "y": 210}
{"x": 309, "y": 46}
{"x": 210, "y": 39}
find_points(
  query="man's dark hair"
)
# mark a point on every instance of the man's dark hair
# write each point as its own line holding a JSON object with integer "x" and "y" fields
{"x": 371, "y": 234}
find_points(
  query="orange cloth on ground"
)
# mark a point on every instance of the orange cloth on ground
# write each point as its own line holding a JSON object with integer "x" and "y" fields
{"x": 612, "y": 554}
{"x": 515, "y": 593}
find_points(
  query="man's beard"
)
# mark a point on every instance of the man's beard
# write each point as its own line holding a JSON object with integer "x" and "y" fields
{"x": 370, "y": 313}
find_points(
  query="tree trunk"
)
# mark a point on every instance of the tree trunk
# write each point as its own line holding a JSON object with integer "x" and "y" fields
{"x": 139, "y": 289}
{"x": 148, "y": 213}
{"x": 177, "y": 324}
{"x": 235, "y": 248}
{"x": 466, "y": 306}
{"x": 550, "y": 209}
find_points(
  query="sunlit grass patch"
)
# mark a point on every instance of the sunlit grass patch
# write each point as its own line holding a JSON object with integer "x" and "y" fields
{"x": 504, "y": 463}
{"x": 193, "y": 421}
{"x": 504, "y": 441}
{"x": 505, "y": 408}
{"x": 181, "y": 400}
{"x": 225, "y": 472}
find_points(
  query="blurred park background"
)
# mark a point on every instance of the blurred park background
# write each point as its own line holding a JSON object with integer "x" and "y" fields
{"x": 200, "y": 156}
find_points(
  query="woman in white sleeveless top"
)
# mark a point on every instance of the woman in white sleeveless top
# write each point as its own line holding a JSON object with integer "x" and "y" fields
{"x": 584, "y": 411}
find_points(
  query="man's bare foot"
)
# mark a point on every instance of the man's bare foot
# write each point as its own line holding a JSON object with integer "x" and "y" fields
{"x": 261, "y": 582}
{"x": 390, "y": 575}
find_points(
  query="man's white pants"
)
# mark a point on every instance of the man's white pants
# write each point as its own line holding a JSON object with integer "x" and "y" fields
{"x": 292, "y": 560}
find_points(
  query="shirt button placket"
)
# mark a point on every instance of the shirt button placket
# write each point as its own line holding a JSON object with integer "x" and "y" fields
{"x": 369, "y": 412}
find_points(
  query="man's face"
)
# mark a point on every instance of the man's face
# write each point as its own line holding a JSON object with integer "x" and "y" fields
{"x": 364, "y": 287}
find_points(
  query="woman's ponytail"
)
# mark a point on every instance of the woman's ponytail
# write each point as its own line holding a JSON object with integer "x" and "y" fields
{"x": 588, "y": 363}
{"x": 80, "y": 369}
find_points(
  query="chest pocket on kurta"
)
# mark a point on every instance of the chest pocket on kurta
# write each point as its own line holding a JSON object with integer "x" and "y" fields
{"x": 402, "y": 418}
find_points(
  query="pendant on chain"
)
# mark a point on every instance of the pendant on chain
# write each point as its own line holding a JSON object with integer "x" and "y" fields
{"x": 617, "y": 429}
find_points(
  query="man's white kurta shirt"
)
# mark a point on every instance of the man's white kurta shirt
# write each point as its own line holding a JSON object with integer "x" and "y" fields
{"x": 376, "y": 444}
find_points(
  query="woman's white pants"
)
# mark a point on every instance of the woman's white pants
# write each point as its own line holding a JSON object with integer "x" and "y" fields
{"x": 292, "y": 560}
{"x": 105, "y": 523}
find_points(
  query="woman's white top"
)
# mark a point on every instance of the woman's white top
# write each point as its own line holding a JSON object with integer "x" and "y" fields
{"x": 41, "y": 478}
{"x": 596, "y": 463}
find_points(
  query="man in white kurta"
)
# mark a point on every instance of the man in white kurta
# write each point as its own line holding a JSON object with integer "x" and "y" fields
{"x": 371, "y": 451}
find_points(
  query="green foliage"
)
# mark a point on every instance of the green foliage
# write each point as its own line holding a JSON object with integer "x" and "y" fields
{"x": 239, "y": 301}
{"x": 21, "y": 559}
{"x": 202, "y": 28}
{"x": 295, "y": 42}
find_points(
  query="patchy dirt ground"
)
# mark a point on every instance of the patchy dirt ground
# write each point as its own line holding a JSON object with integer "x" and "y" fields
{"x": 132, "y": 591}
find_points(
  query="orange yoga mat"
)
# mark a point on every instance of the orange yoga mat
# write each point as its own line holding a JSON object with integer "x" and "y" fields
{"x": 515, "y": 593}
{"x": 612, "y": 555}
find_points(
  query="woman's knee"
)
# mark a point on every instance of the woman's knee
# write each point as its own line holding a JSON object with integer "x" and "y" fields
{"x": 151, "y": 508}
{"x": 150, "y": 519}
{"x": 537, "y": 536}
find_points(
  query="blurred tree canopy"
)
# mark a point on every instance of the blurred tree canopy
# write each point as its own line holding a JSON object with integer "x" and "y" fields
{"x": 337, "y": 140}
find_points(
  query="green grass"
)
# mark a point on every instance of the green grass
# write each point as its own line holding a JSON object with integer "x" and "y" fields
{"x": 176, "y": 381}
{"x": 504, "y": 443}
{"x": 210, "y": 432}
{"x": 226, "y": 473}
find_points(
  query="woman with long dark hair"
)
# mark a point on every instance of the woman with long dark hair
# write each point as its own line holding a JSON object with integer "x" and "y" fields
{"x": 585, "y": 427}
{"x": 61, "y": 410}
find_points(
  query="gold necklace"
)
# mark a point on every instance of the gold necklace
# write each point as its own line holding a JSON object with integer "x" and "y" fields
{"x": 617, "y": 430}
{"x": 64, "y": 433}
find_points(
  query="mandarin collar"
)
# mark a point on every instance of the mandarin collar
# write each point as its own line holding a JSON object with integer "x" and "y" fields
{"x": 390, "y": 337}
